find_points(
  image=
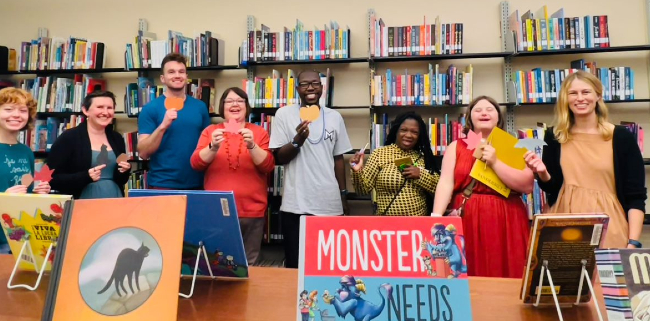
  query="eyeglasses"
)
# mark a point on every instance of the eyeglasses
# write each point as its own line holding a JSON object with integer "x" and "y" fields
{"x": 305, "y": 85}
{"x": 233, "y": 101}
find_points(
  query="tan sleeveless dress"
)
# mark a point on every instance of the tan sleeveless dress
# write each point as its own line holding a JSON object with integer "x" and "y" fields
{"x": 587, "y": 162}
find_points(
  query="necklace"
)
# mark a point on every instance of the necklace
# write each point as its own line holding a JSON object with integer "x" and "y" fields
{"x": 227, "y": 143}
{"x": 322, "y": 134}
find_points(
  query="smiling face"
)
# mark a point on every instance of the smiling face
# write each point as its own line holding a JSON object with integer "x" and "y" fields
{"x": 234, "y": 107}
{"x": 174, "y": 76}
{"x": 582, "y": 98}
{"x": 484, "y": 116}
{"x": 13, "y": 117}
{"x": 309, "y": 88}
{"x": 408, "y": 134}
{"x": 101, "y": 111}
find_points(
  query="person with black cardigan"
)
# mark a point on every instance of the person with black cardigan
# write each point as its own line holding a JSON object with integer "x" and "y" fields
{"x": 591, "y": 165}
{"x": 84, "y": 158}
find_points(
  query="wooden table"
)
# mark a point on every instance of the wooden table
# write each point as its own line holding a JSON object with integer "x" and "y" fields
{"x": 270, "y": 294}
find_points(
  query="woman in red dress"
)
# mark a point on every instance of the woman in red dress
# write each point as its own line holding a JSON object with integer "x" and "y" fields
{"x": 496, "y": 228}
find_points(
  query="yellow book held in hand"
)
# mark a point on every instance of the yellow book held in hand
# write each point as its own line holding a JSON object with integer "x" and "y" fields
{"x": 504, "y": 144}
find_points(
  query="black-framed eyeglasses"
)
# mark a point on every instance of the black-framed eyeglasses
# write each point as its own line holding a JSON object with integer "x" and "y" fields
{"x": 314, "y": 84}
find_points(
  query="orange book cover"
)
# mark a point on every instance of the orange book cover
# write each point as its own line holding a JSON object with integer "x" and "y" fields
{"x": 118, "y": 259}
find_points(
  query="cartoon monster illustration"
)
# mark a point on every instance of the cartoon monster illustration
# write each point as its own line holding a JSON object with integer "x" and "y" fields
{"x": 128, "y": 264}
{"x": 348, "y": 299}
{"x": 444, "y": 244}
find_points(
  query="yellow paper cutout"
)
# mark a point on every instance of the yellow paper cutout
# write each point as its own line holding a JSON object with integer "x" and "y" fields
{"x": 504, "y": 144}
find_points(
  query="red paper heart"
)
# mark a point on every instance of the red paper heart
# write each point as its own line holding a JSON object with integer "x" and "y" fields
{"x": 232, "y": 126}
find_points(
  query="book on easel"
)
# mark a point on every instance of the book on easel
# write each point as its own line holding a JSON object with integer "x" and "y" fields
{"x": 118, "y": 258}
{"x": 625, "y": 281}
{"x": 35, "y": 219}
{"x": 563, "y": 240}
{"x": 212, "y": 220}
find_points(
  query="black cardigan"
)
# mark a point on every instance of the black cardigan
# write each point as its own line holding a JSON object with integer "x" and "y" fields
{"x": 629, "y": 171}
{"x": 71, "y": 158}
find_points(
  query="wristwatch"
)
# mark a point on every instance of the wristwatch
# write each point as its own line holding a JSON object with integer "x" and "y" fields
{"x": 295, "y": 144}
{"x": 344, "y": 192}
{"x": 636, "y": 243}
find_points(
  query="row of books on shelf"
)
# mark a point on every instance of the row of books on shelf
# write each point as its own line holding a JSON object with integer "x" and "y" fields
{"x": 145, "y": 90}
{"x": 331, "y": 42}
{"x": 276, "y": 91}
{"x": 61, "y": 94}
{"x": 46, "y": 131}
{"x": 273, "y": 226}
{"x": 55, "y": 53}
{"x": 137, "y": 180}
{"x": 541, "y": 86}
{"x": 417, "y": 40}
{"x": 432, "y": 88}
{"x": 147, "y": 52}
{"x": 537, "y": 31}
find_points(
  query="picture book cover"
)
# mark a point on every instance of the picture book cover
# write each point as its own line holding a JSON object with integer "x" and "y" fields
{"x": 212, "y": 219}
{"x": 625, "y": 281}
{"x": 382, "y": 268}
{"x": 34, "y": 218}
{"x": 117, "y": 259}
{"x": 564, "y": 240}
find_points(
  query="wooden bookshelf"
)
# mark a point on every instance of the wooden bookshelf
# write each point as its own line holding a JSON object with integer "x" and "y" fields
{"x": 628, "y": 101}
{"x": 58, "y": 114}
{"x": 50, "y": 72}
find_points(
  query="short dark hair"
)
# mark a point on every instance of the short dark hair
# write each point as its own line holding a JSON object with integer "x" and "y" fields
{"x": 468, "y": 122}
{"x": 241, "y": 93}
{"x": 306, "y": 72}
{"x": 88, "y": 100}
{"x": 174, "y": 56}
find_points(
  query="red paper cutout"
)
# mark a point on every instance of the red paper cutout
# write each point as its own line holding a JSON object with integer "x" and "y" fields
{"x": 232, "y": 126}
{"x": 44, "y": 175}
{"x": 473, "y": 139}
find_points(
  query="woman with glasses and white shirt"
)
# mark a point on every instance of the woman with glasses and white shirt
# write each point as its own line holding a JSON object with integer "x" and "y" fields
{"x": 235, "y": 157}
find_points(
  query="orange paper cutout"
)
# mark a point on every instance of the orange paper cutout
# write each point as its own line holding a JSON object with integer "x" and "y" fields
{"x": 122, "y": 158}
{"x": 310, "y": 113}
{"x": 26, "y": 180}
{"x": 174, "y": 103}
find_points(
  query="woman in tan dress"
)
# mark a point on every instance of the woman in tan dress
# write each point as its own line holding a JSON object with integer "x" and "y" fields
{"x": 590, "y": 165}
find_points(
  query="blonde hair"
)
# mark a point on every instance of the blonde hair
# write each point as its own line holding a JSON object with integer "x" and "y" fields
{"x": 19, "y": 96}
{"x": 564, "y": 118}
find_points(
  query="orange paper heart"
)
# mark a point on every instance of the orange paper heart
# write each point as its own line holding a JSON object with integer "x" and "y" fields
{"x": 174, "y": 103}
{"x": 26, "y": 180}
{"x": 122, "y": 158}
{"x": 309, "y": 113}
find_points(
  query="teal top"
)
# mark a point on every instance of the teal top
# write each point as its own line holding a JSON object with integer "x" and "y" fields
{"x": 105, "y": 187}
{"x": 16, "y": 160}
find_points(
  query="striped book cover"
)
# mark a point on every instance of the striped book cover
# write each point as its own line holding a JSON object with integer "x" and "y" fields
{"x": 625, "y": 281}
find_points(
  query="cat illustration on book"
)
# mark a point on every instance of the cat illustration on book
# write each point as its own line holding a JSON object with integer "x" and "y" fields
{"x": 128, "y": 264}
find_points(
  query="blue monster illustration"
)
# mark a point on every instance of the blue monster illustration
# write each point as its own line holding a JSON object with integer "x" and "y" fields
{"x": 348, "y": 299}
{"x": 444, "y": 244}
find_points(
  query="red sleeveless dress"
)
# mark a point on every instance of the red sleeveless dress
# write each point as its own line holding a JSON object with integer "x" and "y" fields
{"x": 496, "y": 228}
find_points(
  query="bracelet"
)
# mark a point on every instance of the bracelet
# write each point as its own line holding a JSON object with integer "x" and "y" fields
{"x": 636, "y": 243}
{"x": 254, "y": 145}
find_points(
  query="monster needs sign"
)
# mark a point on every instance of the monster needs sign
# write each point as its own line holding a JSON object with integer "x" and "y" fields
{"x": 382, "y": 268}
